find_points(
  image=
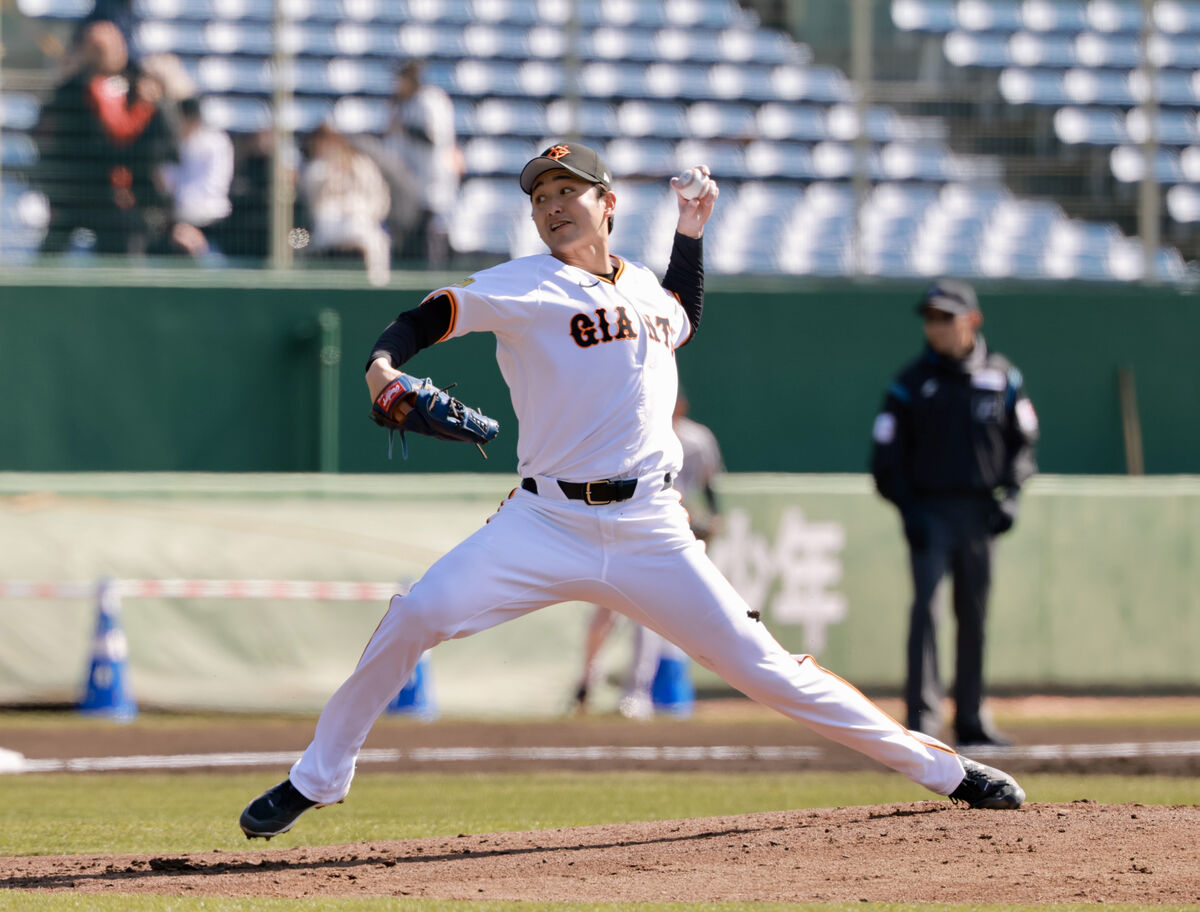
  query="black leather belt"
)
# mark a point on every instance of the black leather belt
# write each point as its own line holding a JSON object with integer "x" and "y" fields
{"x": 595, "y": 493}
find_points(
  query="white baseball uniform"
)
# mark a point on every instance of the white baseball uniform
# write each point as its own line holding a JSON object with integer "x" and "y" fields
{"x": 590, "y": 363}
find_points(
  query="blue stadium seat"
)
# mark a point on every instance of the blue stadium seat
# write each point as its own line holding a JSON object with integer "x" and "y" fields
{"x": 933, "y": 16}
{"x": 985, "y": 49}
{"x": 687, "y": 44}
{"x": 1179, "y": 51}
{"x": 602, "y": 79}
{"x": 732, "y": 120}
{"x": 761, "y": 46}
{"x": 1102, "y": 87}
{"x": 56, "y": 9}
{"x": 645, "y": 157}
{"x": 1171, "y": 87}
{"x": 486, "y": 77}
{"x": 810, "y": 83}
{"x": 19, "y": 110}
{"x": 793, "y": 121}
{"x": 540, "y": 78}
{"x": 1115, "y": 15}
{"x": 663, "y": 119}
{"x": 1177, "y": 18}
{"x": 18, "y": 151}
{"x": 314, "y": 10}
{"x": 354, "y": 114}
{"x": 237, "y": 114}
{"x": 511, "y": 117}
{"x": 215, "y": 74}
{"x": 1183, "y": 203}
{"x": 589, "y": 117}
{"x": 746, "y": 82}
{"x": 990, "y": 15}
{"x": 1054, "y": 15}
{"x": 1043, "y": 49}
{"x": 419, "y": 40}
{"x": 1090, "y": 126}
{"x": 485, "y": 40}
{"x": 359, "y": 39}
{"x": 786, "y": 160}
{"x": 511, "y": 12}
{"x": 1040, "y": 87}
{"x": 1095, "y": 49}
{"x": 1128, "y": 165}
{"x": 491, "y": 155}
{"x": 726, "y": 160}
{"x": 24, "y": 215}
{"x": 1172, "y": 127}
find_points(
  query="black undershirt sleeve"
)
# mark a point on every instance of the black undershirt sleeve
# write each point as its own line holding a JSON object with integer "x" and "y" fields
{"x": 412, "y": 331}
{"x": 685, "y": 277}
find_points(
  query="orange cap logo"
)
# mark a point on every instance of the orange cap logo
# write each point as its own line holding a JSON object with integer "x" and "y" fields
{"x": 558, "y": 152}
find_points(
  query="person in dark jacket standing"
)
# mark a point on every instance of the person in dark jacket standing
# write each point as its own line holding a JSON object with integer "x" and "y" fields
{"x": 953, "y": 444}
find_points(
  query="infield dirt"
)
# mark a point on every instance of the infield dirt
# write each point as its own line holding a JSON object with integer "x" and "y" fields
{"x": 926, "y": 851}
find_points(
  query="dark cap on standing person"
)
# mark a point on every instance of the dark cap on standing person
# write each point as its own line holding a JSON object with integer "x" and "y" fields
{"x": 949, "y": 296}
{"x": 574, "y": 157}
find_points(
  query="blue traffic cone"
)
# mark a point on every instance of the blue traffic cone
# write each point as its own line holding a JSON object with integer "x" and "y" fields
{"x": 108, "y": 688}
{"x": 416, "y": 697}
{"x": 672, "y": 691}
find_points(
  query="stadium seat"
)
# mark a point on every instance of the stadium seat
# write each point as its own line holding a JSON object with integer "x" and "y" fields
{"x": 663, "y": 119}
{"x": 511, "y": 117}
{"x": 1090, "y": 126}
{"x": 1172, "y": 127}
{"x": 1054, "y": 15}
{"x": 786, "y": 160}
{"x": 1177, "y": 18}
{"x": 216, "y": 74}
{"x": 810, "y": 83}
{"x": 1183, "y": 203}
{"x": 1115, "y": 15}
{"x": 18, "y": 151}
{"x": 793, "y": 121}
{"x": 1094, "y": 49}
{"x": 987, "y": 49}
{"x": 484, "y": 40}
{"x": 486, "y": 155}
{"x": 934, "y": 16}
{"x": 56, "y": 9}
{"x": 1042, "y": 49}
{"x": 733, "y": 120}
{"x": 540, "y": 79}
{"x": 587, "y": 117}
{"x": 643, "y": 157}
{"x": 361, "y": 115}
{"x": 989, "y": 15}
{"x": 727, "y": 160}
{"x": 1128, "y": 164}
{"x": 19, "y": 110}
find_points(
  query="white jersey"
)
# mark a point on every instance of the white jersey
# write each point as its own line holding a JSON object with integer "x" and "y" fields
{"x": 589, "y": 362}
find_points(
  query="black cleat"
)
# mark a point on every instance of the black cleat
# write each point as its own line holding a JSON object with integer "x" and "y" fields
{"x": 274, "y": 811}
{"x": 985, "y": 787}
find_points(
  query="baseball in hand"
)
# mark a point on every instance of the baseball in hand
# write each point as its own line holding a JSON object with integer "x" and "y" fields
{"x": 692, "y": 183}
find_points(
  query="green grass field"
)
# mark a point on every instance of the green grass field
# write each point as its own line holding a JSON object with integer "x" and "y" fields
{"x": 153, "y": 813}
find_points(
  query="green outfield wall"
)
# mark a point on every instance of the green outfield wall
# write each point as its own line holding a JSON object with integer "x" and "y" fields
{"x": 214, "y": 373}
{"x": 1097, "y": 589}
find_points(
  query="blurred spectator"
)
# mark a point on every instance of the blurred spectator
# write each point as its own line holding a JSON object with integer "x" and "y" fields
{"x": 199, "y": 182}
{"x": 421, "y": 137}
{"x": 100, "y": 135}
{"x": 348, "y": 200}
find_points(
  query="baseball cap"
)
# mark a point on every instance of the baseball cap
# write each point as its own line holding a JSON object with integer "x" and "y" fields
{"x": 949, "y": 296}
{"x": 574, "y": 157}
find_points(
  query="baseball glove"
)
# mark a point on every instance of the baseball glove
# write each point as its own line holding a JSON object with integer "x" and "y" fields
{"x": 409, "y": 404}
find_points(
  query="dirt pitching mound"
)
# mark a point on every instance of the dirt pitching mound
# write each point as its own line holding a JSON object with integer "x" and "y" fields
{"x": 922, "y": 852}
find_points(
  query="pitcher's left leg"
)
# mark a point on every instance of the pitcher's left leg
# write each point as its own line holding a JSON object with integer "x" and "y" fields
{"x": 683, "y": 596}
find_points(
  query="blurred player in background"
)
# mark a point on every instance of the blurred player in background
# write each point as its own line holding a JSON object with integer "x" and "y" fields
{"x": 701, "y": 464}
{"x": 953, "y": 444}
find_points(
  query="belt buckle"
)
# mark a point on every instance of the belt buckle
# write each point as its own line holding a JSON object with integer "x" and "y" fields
{"x": 587, "y": 493}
